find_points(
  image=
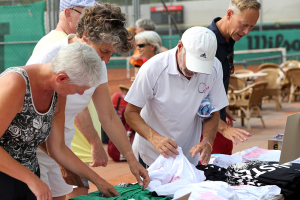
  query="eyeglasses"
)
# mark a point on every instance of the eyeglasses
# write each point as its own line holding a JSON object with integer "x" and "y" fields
{"x": 116, "y": 23}
{"x": 75, "y": 10}
{"x": 142, "y": 45}
{"x": 230, "y": 62}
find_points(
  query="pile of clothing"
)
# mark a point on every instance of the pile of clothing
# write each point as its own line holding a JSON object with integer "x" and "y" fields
{"x": 252, "y": 174}
{"x": 176, "y": 177}
{"x": 259, "y": 167}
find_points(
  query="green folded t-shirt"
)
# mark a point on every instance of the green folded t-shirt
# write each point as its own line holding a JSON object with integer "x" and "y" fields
{"x": 132, "y": 192}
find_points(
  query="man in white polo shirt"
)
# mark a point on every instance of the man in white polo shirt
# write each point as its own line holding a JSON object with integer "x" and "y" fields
{"x": 168, "y": 91}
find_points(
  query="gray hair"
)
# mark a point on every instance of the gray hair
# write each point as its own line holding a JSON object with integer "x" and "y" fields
{"x": 239, "y": 5}
{"x": 146, "y": 24}
{"x": 80, "y": 62}
{"x": 150, "y": 37}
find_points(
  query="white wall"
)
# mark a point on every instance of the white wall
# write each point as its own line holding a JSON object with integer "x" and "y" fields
{"x": 203, "y": 11}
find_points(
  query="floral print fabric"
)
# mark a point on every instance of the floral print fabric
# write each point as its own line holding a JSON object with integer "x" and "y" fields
{"x": 28, "y": 129}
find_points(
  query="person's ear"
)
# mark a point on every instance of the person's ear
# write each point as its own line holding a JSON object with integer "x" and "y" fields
{"x": 67, "y": 12}
{"x": 153, "y": 47}
{"x": 85, "y": 40}
{"x": 229, "y": 14}
{"x": 180, "y": 45}
{"x": 61, "y": 77}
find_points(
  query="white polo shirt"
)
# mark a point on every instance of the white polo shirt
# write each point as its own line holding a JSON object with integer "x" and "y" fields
{"x": 75, "y": 103}
{"x": 170, "y": 102}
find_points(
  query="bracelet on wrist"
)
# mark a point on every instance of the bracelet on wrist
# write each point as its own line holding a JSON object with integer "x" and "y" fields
{"x": 209, "y": 144}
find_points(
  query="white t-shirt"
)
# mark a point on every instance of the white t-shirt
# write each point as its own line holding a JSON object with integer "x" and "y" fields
{"x": 170, "y": 102}
{"x": 75, "y": 103}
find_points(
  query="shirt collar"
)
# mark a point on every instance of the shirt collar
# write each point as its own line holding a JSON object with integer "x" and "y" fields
{"x": 172, "y": 62}
{"x": 219, "y": 36}
{"x": 70, "y": 36}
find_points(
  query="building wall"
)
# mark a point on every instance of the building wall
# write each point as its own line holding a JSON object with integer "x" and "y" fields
{"x": 203, "y": 11}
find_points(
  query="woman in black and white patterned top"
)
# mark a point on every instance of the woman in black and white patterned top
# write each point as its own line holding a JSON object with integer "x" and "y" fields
{"x": 32, "y": 101}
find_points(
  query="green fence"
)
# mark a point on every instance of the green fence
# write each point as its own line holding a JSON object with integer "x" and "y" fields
{"x": 20, "y": 27}
{"x": 255, "y": 40}
{"x": 268, "y": 39}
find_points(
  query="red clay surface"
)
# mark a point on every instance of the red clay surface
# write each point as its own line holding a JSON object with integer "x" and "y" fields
{"x": 119, "y": 76}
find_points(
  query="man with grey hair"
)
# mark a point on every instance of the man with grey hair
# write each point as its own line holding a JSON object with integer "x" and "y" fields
{"x": 239, "y": 20}
{"x": 165, "y": 96}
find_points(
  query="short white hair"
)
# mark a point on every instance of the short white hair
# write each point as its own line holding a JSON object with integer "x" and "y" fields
{"x": 81, "y": 63}
{"x": 150, "y": 37}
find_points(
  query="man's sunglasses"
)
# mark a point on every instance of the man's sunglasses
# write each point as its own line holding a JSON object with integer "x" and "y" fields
{"x": 116, "y": 23}
{"x": 75, "y": 10}
{"x": 230, "y": 62}
{"x": 142, "y": 45}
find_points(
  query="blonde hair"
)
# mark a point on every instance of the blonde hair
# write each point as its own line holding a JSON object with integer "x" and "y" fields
{"x": 132, "y": 30}
{"x": 239, "y": 5}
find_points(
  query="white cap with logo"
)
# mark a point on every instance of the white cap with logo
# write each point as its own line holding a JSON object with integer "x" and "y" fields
{"x": 73, "y": 3}
{"x": 200, "y": 44}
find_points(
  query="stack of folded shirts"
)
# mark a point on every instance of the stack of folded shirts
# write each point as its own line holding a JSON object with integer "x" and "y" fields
{"x": 260, "y": 173}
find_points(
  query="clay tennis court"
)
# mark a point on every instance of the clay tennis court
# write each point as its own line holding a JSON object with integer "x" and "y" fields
{"x": 119, "y": 76}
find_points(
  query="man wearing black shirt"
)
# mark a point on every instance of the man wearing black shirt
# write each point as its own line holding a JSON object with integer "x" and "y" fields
{"x": 239, "y": 20}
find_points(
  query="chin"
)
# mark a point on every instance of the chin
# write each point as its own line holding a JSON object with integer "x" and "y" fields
{"x": 237, "y": 38}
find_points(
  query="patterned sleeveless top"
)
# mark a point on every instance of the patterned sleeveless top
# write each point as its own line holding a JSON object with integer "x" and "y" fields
{"x": 28, "y": 129}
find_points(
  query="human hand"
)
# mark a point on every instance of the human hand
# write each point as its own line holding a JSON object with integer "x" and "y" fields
{"x": 106, "y": 189}
{"x": 229, "y": 117}
{"x": 99, "y": 156}
{"x": 165, "y": 146}
{"x": 205, "y": 152}
{"x": 139, "y": 171}
{"x": 71, "y": 178}
{"x": 235, "y": 134}
{"x": 39, "y": 188}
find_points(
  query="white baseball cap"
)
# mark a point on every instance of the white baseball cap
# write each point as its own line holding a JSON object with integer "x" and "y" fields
{"x": 200, "y": 44}
{"x": 73, "y": 3}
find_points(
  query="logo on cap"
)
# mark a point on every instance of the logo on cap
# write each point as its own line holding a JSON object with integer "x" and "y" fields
{"x": 203, "y": 55}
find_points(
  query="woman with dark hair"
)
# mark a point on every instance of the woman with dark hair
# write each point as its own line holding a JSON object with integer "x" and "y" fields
{"x": 103, "y": 28}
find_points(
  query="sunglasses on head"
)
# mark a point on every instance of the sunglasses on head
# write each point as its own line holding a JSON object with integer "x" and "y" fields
{"x": 230, "y": 62}
{"x": 142, "y": 45}
{"x": 75, "y": 10}
{"x": 116, "y": 23}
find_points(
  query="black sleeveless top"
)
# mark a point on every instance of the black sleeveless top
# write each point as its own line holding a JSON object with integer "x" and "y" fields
{"x": 28, "y": 129}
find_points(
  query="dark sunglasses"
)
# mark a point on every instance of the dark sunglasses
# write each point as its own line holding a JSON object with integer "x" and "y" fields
{"x": 116, "y": 23}
{"x": 75, "y": 10}
{"x": 142, "y": 45}
{"x": 230, "y": 62}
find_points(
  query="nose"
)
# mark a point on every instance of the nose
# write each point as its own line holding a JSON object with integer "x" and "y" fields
{"x": 247, "y": 30}
{"x": 106, "y": 58}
